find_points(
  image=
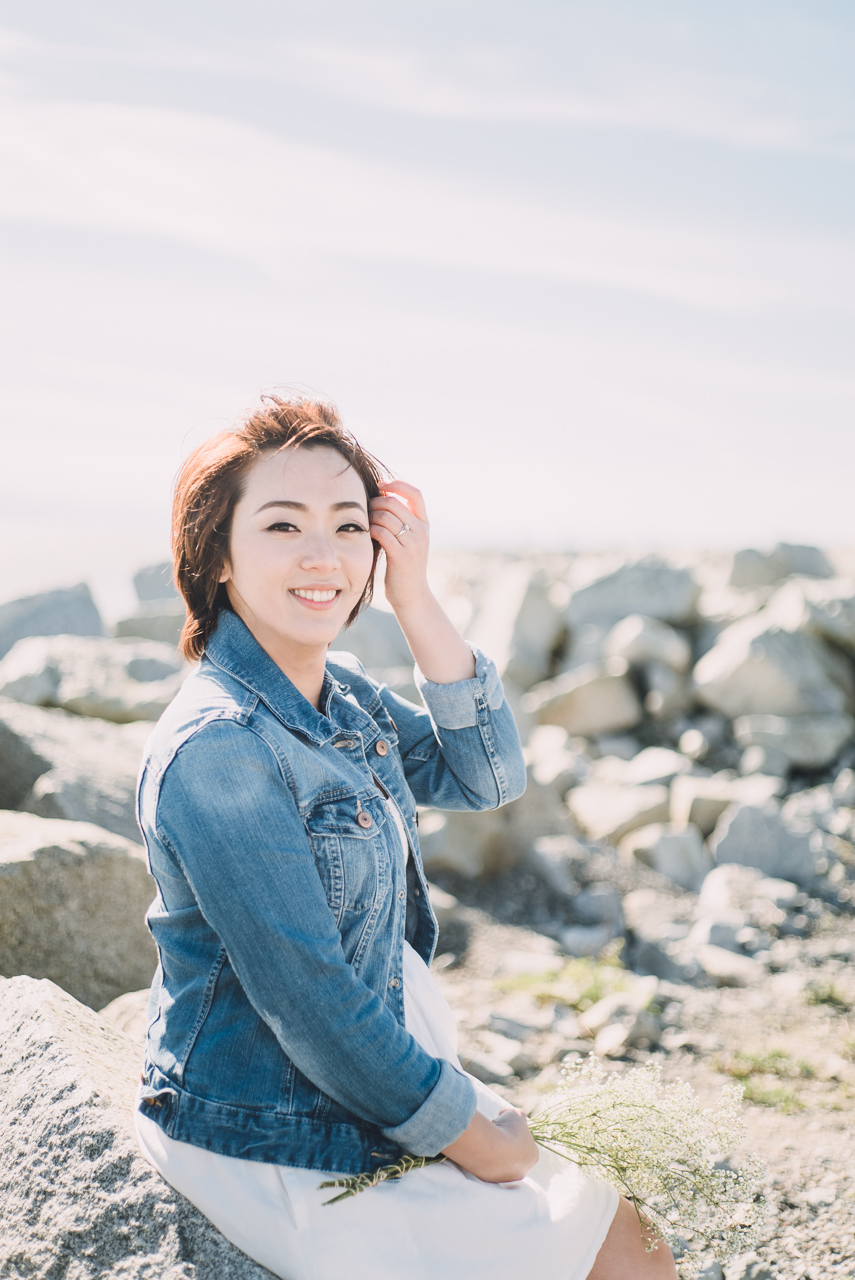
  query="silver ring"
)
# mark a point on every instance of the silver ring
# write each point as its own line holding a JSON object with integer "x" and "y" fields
{"x": 405, "y": 528}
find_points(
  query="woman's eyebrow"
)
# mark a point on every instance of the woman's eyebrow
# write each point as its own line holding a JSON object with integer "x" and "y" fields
{"x": 301, "y": 506}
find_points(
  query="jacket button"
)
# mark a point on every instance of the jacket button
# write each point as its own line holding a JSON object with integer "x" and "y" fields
{"x": 344, "y": 745}
{"x": 381, "y": 748}
{"x": 401, "y": 896}
{"x": 364, "y": 819}
{"x": 393, "y": 982}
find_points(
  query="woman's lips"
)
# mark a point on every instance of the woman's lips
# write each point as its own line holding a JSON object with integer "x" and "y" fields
{"x": 316, "y": 597}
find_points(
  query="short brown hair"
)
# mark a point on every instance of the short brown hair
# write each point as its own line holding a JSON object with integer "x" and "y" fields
{"x": 211, "y": 481}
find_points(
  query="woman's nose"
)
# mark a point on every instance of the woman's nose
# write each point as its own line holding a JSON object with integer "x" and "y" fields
{"x": 319, "y": 553}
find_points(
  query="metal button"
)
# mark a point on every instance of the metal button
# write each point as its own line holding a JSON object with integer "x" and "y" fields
{"x": 393, "y": 982}
{"x": 364, "y": 819}
{"x": 381, "y": 748}
{"x": 417, "y": 892}
{"x": 345, "y": 744}
{"x": 401, "y": 896}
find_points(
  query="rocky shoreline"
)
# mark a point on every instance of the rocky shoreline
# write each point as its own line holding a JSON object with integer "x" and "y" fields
{"x": 677, "y": 883}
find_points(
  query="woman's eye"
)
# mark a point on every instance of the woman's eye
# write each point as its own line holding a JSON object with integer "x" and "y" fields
{"x": 281, "y": 526}
{"x": 352, "y": 527}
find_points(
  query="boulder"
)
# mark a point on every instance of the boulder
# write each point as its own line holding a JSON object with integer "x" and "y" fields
{"x": 727, "y": 968}
{"x": 668, "y": 693}
{"x": 586, "y": 939}
{"x": 129, "y": 1014}
{"x": 751, "y": 568}
{"x": 608, "y": 812}
{"x": 549, "y": 859}
{"x": 810, "y": 742}
{"x": 160, "y": 620}
{"x": 756, "y": 836}
{"x": 554, "y": 759}
{"x": 120, "y": 680}
{"x": 72, "y": 907}
{"x": 650, "y": 587}
{"x": 702, "y": 801}
{"x": 587, "y": 701}
{"x": 60, "y": 765}
{"x": 657, "y": 929}
{"x": 69, "y": 611}
{"x": 676, "y": 852}
{"x": 376, "y": 639}
{"x": 822, "y": 608}
{"x": 653, "y": 764}
{"x": 640, "y": 641}
{"x": 756, "y": 667}
{"x": 518, "y": 624}
{"x": 154, "y": 582}
{"x": 78, "y": 1198}
{"x": 731, "y": 888}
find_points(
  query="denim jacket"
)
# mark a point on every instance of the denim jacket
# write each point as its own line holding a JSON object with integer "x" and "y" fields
{"x": 276, "y": 1021}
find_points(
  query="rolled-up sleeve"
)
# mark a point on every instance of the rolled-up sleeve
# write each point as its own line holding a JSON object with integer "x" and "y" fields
{"x": 228, "y": 818}
{"x": 461, "y": 750}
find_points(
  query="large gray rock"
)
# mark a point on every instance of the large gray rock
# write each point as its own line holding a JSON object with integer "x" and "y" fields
{"x": 64, "y": 766}
{"x": 825, "y": 608}
{"x": 78, "y": 1199}
{"x": 68, "y": 611}
{"x": 154, "y": 582}
{"x": 810, "y": 742}
{"x": 129, "y": 1014}
{"x": 160, "y": 620}
{"x": 73, "y": 899}
{"x": 756, "y": 836}
{"x": 676, "y": 852}
{"x": 702, "y": 801}
{"x": 120, "y": 680}
{"x": 641, "y": 640}
{"x": 649, "y": 587}
{"x": 757, "y": 668}
{"x": 518, "y": 624}
{"x": 588, "y": 701}
{"x": 752, "y": 568}
{"x": 609, "y": 812}
{"x": 653, "y": 764}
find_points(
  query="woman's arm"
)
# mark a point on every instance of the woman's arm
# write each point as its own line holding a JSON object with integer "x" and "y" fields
{"x": 500, "y": 1150}
{"x": 441, "y": 653}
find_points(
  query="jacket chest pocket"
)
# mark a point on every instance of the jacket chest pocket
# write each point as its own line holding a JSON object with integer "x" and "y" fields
{"x": 349, "y": 843}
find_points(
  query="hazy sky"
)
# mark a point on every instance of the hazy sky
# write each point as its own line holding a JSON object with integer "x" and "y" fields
{"x": 583, "y": 271}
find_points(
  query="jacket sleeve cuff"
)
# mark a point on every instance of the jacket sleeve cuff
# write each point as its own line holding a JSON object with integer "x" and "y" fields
{"x": 443, "y": 1116}
{"x": 453, "y": 706}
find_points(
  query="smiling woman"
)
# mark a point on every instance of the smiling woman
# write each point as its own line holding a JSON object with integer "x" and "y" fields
{"x": 295, "y": 1031}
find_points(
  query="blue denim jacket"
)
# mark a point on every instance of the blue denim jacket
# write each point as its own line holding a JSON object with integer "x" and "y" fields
{"x": 276, "y": 1022}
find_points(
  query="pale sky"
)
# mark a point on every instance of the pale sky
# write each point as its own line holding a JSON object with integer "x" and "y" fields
{"x": 585, "y": 272}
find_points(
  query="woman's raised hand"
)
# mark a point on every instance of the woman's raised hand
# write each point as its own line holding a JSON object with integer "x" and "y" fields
{"x": 399, "y": 523}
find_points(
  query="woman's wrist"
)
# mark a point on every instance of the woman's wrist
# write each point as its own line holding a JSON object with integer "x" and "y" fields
{"x": 501, "y": 1150}
{"x": 441, "y": 653}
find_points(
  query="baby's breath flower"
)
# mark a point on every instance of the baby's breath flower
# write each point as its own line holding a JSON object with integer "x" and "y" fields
{"x": 656, "y": 1145}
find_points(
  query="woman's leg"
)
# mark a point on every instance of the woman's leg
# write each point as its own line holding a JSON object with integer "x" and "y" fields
{"x": 623, "y": 1254}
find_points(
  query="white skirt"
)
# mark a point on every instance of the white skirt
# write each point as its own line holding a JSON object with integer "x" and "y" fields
{"x": 433, "y": 1222}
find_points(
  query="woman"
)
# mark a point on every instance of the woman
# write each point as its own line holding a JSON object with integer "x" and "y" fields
{"x": 294, "y": 1029}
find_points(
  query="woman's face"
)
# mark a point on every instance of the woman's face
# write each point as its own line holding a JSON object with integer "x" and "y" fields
{"x": 300, "y": 552}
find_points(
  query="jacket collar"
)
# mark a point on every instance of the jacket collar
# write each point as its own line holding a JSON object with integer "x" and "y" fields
{"x": 234, "y": 649}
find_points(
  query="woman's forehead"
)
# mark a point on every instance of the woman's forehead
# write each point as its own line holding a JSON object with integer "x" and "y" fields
{"x": 299, "y": 474}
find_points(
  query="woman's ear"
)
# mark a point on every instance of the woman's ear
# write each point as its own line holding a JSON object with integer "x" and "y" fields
{"x": 226, "y": 573}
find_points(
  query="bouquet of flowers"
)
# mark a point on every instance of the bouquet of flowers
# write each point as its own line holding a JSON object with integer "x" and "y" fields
{"x": 656, "y": 1145}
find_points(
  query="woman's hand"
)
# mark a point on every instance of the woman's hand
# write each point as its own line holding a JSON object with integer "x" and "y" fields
{"x": 399, "y": 523}
{"x": 501, "y": 1150}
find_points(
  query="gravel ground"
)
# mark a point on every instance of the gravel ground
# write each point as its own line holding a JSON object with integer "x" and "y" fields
{"x": 790, "y": 1038}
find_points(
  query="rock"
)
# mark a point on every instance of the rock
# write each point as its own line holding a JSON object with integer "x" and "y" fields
{"x": 708, "y": 731}
{"x": 445, "y": 906}
{"x": 752, "y": 568}
{"x": 377, "y": 640}
{"x": 555, "y": 759}
{"x": 608, "y": 812}
{"x": 154, "y": 582}
{"x": 518, "y": 624}
{"x": 649, "y": 587}
{"x": 810, "y": 742}
{"x": 78, "y": 1198}
{"x": 756, "y": 667}
{"x": 653, "y": 764}
{"x": 748, "y": 1266}
{"x": 641, "y": 641}
{"x": 730, "y": 887}
{"x": 586, "y": 939}
{"x": 712, "y": 1271}
{"x": 825, "y": 609}
{"x": 487, "y": 1067}
{"x": 721, "y": 930}
{"x": 843, "y": 790}
{"x": 756, "y": 836}
{"x": 702, "y": 801}
{"x": 547, "y": 858}
{"x": 129, "y": 1014}
{"x": 676, "y": 852}
{"x": 599, "y": 904}
{"x": 64, "y": 766}
{"x": 766, "y": 760}
{"x": 726, "y": 968}
{"x": 622, "y": 1019}
{"x": 588, "y": 701}
{"x": 656, "y": 935}
{"x": 160, "y": 620}
{"x": 72, "y": 907}
{"x": 622, "y": 745}
{"x": 119, "y": 680}
{"x": 69, "y": 611}
{"x": 668, "y": 693}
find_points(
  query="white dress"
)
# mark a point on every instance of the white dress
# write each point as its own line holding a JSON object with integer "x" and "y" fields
{"x": 434, "y": 1222}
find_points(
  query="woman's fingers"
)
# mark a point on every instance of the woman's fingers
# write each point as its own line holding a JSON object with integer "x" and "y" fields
{"x": 410, "y": 494}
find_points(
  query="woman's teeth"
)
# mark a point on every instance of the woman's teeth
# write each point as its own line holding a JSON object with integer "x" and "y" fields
{"x": 318, "y": 596}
